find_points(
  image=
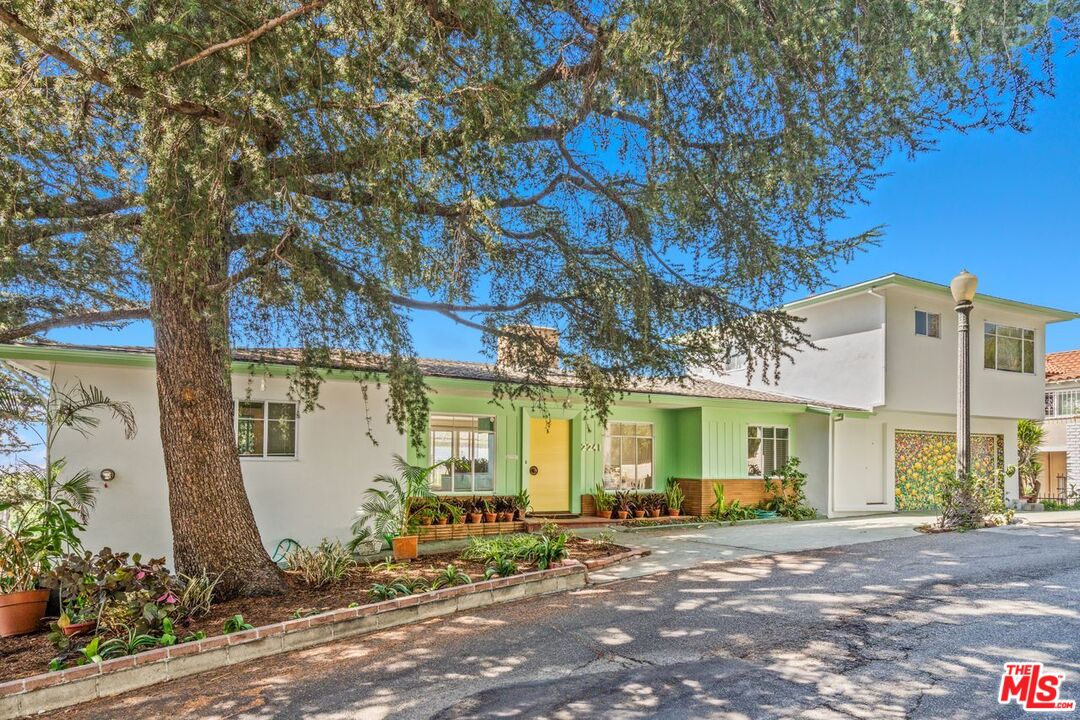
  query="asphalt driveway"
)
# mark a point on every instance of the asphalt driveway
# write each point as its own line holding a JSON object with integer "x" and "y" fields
{"x": 912, "y": 627}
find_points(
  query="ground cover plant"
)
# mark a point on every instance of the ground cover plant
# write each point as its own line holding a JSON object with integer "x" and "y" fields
{"x": 140, "y": 605}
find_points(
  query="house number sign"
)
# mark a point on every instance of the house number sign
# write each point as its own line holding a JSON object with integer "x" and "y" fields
{"x": 590, "y": 447}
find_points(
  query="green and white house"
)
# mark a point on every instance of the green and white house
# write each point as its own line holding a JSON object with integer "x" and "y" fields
{"x": 306, "y": 472}
{"x": 870, "y": 417}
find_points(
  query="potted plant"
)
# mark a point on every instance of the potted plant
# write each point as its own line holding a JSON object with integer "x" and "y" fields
{"x": 622, "y": 504}
{"x": 386, "y": 508}
{"x": 674, "y": 497}
{"x": 504, "y": 507}
{"x": 22, "y": 602}
{"x": 522, "y": 503}
{"x": 476, "y": 511}
{"x": 603, "y": 501}
{"x": 637, "y": 505}
{"x": 450, "y": 512}
{"x": 489, "y": 511}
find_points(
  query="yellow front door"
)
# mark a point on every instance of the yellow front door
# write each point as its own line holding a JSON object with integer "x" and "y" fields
{"x": 549, "y": 465}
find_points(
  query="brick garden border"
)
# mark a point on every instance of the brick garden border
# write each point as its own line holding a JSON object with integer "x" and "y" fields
{"x": 603, "y": 562}
{"x": 53, "y": 690}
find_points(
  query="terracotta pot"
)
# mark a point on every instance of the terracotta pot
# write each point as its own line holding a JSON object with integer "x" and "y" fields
{"x": 490, "y": 517}
{"x": 521, "y": 514}
{"x": 476, "y": 517}
{"x": 674, "y": 512}
{"x": 606, "y": 514}
{"x": 444, "y": 521}
{"x": 21, "y": 612}
{"x": 425, "y": 521}
{"x": 639, "y": 513}
{"x": 622, "y": 514}
{"x": 655, "y": 513}
{"x": 82, "y": 628}
{"x": 404, "y": 547}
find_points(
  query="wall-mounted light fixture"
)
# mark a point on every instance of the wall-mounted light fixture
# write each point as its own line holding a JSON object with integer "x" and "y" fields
{"x": 107, "y": 476}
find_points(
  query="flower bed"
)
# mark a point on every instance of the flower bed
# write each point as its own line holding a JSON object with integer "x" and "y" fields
{"x": 30, "y": 654}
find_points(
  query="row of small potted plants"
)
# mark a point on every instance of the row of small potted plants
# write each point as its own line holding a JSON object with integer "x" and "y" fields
{"x": 455, "y": 510}
{"x": 623, "y": 504}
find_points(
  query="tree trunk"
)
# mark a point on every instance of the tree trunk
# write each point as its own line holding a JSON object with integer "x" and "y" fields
{"x": 212, "y": 523}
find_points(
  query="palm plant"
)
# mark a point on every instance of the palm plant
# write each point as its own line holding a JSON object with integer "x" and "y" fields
{"x": 38, "y": 504}
{"x": 1029, "y": 436}
{"x": 385, "y": 511}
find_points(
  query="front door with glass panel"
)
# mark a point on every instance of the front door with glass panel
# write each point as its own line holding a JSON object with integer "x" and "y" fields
{"x": 465, "y": 444}
{"x": 549, "y": 465}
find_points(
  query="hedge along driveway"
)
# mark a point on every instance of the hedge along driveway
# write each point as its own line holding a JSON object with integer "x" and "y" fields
{"x": 49, "y": 691}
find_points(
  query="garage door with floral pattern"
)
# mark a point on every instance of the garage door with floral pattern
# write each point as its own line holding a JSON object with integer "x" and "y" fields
{"x": 923, "y": 458}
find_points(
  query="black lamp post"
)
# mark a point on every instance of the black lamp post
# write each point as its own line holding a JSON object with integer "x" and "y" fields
{"x": 963, "y": 291}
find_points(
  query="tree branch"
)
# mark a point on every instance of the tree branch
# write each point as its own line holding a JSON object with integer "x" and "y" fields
{"x": 251, "y": 36}
{"x": 57, "y": 208}
{"x": 268, "y": 133}
{"x": 16, "y": 237}
{"x": 100, "y": 317}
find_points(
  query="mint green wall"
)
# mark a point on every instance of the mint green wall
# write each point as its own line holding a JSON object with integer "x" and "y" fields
{"x": 723, "y": 439}
{"x": 696, "y": 442}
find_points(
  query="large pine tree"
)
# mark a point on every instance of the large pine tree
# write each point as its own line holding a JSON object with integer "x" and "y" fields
{"x": 310, "y": 173}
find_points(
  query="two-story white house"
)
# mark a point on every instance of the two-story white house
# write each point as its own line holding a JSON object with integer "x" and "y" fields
{"x": 1060, "y": 449}
{"x": 889, "y": 345}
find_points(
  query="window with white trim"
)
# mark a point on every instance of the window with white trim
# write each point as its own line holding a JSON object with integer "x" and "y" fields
{"x": 1008, "y": 348}
{"x": 466, "y": 443}
{"x": 927, "y": 324}
{"x": 628, "y": 456}
{"x": 766, "y": 449}
{"x": 265, "y": 429}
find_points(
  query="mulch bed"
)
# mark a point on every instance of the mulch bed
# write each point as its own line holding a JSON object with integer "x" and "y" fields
{"x": 30, "y": 654}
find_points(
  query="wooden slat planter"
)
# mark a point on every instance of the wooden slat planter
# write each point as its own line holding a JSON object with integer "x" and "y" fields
{"x": 699, "y": 493}
{"x": 433, "y": 533}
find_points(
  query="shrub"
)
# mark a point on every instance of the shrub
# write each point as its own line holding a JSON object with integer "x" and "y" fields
{"x": 235, "y": 624}
{"x": 723, "y": 510}
{"x": 118, "y": 590}
{"x": 787, "y": 487}
{"x": 521, "y": 547}
{"x": 1058, "y": 505}
{"x": 550, "y": 550}
{"x": 449, "y": 577}
{"x": 197, "y": 592}
{"x": 972, "y": 501}
{"x": 388, "y": 591}
{"x": 503, "y": 567}
{"x": 321, "y": 565}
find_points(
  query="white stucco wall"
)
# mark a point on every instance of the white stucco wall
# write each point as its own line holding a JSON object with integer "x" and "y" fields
{"x": 921, "y": 371}
{"x": 307, "y": 498}
{"x": 864, "y": 477}
{"x": 848, "y": 368}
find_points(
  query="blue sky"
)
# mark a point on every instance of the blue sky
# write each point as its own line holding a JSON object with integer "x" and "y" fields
{"x": 1001, "y": 204}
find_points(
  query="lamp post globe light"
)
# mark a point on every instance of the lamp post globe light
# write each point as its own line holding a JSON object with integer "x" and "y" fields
{"x": 963, "y": 291}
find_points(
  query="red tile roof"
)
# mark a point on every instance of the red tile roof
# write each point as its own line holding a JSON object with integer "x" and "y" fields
{"x": 1063, "y": 366}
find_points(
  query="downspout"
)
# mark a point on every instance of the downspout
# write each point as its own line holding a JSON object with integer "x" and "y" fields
{"x": 834, "y": 417}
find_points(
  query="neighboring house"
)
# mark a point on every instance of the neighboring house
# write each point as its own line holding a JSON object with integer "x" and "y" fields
{"x": 889, "y": 345}
{"x": 305, "y": 473}
{"x": 1060, "y": 451}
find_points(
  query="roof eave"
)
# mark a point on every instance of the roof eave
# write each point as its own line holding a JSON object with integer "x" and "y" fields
{"x": 1055, "y": 314}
